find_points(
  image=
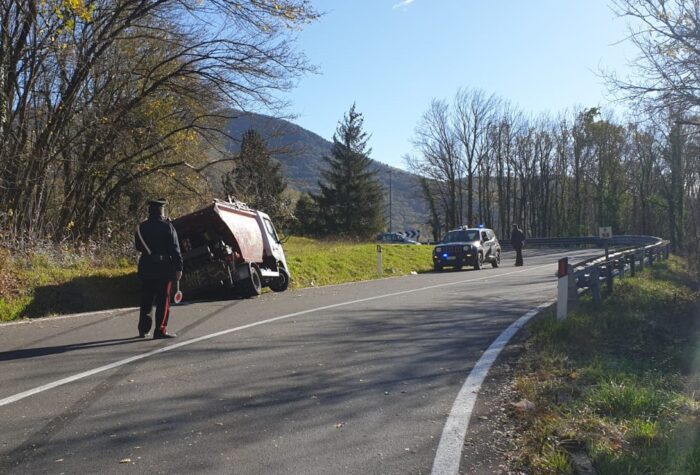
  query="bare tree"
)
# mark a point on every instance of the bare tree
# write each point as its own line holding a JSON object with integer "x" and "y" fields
{"x": 644, "y": 161}
{"x": 439, "y": 159}
{"x": 666, "y": 83}
{"x": 474, "y": 114}
{"x": 667, "y": 70}
{"x": 502, "y": 137}
{"x": 97, "y": 97}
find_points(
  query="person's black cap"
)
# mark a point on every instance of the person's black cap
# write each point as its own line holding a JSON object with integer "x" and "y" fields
{"x": 157, "y": 203}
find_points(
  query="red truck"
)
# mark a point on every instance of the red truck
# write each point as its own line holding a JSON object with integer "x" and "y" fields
{"x": 228, "y": 245}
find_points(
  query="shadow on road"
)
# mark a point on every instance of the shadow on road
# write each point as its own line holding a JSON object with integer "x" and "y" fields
{"x": 52, "y": 350}
{"x": 345, "y": 378}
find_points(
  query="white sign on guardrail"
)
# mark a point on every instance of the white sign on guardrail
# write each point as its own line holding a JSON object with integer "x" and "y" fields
{"x": 605, "y": 232}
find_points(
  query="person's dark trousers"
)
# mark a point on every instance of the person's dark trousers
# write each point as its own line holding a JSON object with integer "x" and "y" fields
{"x": 154, "y": 291}
{"x": 519, "y": 256}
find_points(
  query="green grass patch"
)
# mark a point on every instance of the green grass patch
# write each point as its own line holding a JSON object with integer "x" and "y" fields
{"x": 315, "y": 263}
{"x": 620, "y": 380}
{"x": 39, "y": 285}
{"x": 43, "y": 283}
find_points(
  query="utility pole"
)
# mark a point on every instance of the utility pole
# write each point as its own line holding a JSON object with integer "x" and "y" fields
{"x": 391, "y": 227}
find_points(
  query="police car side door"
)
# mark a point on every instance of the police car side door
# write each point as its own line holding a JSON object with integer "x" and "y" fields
{"x": 485, "y": 243}
{"x": 492, "y": 242}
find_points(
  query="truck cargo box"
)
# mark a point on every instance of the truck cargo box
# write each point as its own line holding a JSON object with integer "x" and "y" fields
{"x": 238, "y": 228}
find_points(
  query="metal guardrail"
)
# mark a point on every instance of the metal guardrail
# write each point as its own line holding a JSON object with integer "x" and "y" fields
{"x": 592, "y": 273}
{"x": 585, "y": 241}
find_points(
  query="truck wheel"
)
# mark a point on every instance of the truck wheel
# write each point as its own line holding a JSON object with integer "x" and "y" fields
{"x": 253, "y": 285}
{"x": 281, "y": 283}
{"x": 437, "y": 267}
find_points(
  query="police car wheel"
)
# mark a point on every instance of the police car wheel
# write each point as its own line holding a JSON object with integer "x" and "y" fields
{"x": 479, "y": 261}
{"x": 496, "y": 260}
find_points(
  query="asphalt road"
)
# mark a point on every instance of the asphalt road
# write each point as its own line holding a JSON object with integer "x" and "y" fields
{"x": 356, "y": 378}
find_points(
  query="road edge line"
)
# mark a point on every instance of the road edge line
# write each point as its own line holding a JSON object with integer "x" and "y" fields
{"x": 449, "y": 452}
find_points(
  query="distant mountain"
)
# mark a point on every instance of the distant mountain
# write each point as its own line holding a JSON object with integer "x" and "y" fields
{"x": 300, "y": 152}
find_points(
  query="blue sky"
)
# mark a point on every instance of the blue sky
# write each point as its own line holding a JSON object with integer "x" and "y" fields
{"x": 392, "y": 58}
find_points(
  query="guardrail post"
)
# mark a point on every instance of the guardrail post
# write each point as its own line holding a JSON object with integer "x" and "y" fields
{"x": 621, "y": 264}
{"x": 633, "y": 264}
{"x": 651, "y": 257}
{"x": 595, "y": 286}
{"x": 380, "y": 269}
{"x": 641, "y": 261}
{"x": 667, "y": 250}
{"x": 609, "y": 274}
{"x": 562, "y": 288}
{"x": 573, "y": 288}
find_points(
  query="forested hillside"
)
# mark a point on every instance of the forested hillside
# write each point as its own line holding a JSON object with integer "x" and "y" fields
{"x": 562, "y": 175}
{"x": 300, "y": 152}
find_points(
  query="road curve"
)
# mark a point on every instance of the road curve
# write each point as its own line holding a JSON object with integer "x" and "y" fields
{"x": 356, "y": 378}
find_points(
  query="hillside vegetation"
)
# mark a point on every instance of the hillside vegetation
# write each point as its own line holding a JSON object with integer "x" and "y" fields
{"x": 42, "y": 283}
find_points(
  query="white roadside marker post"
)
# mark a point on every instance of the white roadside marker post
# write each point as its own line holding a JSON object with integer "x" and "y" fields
{"x": 563, "y": 288}
{"x": 379, "y": 260}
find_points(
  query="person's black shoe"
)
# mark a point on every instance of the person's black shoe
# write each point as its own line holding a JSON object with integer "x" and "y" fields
{"x": 142, "y": 334}
{"x": 159, "y": 336}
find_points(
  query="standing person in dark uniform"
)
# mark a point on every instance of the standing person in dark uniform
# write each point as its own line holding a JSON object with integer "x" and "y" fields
{"x": 160, "y": 264}
{"x": 517, "y": 238}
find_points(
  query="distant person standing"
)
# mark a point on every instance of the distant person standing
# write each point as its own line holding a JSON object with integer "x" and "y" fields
{"x": 517, "y": 239}
{"x": 160, "y": 263}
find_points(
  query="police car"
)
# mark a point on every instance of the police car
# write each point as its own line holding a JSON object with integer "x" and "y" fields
{"x": 467, "y": 246}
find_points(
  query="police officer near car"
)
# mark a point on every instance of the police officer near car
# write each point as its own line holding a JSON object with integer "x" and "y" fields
{"x": 517, "y": 239}
{"x": 159, "y": 266}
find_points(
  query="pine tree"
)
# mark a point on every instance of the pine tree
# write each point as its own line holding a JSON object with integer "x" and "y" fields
{"x": 256, "y": 178}
{"x": 306, "y": 214}
{"x": 350, "y": 202}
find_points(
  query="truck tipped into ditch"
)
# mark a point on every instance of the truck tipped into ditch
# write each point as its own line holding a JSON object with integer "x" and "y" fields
{"x": 229, "y": 246}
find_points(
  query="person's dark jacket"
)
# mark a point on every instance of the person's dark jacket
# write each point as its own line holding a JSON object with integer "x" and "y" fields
{"x": 517, "y": 238}
{"x": 165, "y": 258}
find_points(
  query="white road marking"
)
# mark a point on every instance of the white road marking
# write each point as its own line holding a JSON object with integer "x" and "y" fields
{"x": 449, "y": 451}
{"x": 116, "y": 364}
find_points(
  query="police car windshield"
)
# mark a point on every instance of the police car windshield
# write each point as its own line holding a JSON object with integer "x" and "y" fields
{"x": 461, "y": 236}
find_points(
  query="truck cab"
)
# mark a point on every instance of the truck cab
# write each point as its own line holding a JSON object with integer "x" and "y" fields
{"x": 272, "y": 246}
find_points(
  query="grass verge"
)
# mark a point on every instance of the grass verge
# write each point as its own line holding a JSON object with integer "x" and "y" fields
{"x": 40, "y": 283}
{"x": 315, "y": 262}
{"x": 46, "y": 282}
{"x": 619, "y": 382}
